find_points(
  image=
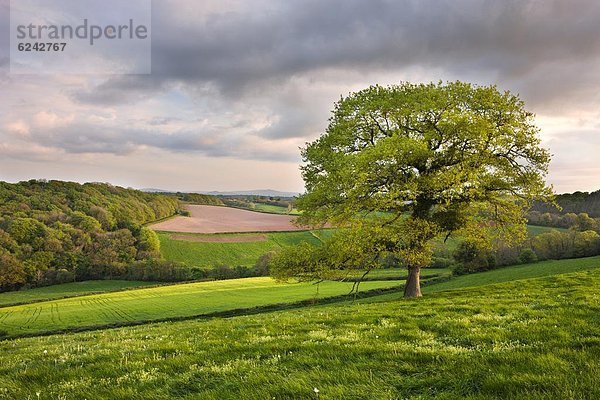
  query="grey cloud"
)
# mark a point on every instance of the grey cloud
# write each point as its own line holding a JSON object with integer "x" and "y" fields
{"x": 282, "y": 64}
{"x": 81, "y": 138}
{"x": 515, "y": 43}
{"x": 292, "y": 122}
{"x": 4, "y": 34}
{"x": 158, "y": 121}
{"x": 510, "y": 37}
{"x": 120, "y": 90}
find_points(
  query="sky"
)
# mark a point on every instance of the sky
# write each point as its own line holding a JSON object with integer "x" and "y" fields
{"x": 237, "y": 87}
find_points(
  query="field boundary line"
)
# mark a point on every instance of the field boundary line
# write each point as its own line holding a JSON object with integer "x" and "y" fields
{"x": 147, "y": 224}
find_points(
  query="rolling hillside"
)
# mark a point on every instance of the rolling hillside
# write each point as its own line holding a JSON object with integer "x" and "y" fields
{"x": 527, "y": 339}
{"x": 165, "y": 302}
{"x": 199, "y": 250}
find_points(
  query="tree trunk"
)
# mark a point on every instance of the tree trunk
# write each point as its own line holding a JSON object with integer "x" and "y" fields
{"x": 413, "y": 283}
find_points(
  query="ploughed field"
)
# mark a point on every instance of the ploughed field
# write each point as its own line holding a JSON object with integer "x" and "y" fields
{"x": 215, "y": 219}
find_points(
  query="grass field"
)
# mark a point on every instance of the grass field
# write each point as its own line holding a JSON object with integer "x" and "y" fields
{"x": 536, "y": 229}
{"x": 401, "y": 273}
{"x": 67, "y": 290}
{"x": 269, "y": 208}
{"x": 163, "y": 302}
{"x": 208, "y": 254}
{"x": 501, "y": 275}
{"x": 529, "y": 339}
{"x": 536, "y": 270}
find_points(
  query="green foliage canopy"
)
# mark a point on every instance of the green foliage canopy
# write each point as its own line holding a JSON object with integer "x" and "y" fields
{"x": 53, "y": 230}
{"x": 402, "y": 164}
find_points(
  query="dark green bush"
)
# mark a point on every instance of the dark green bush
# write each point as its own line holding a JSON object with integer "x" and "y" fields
{"x": 527, "y": 256}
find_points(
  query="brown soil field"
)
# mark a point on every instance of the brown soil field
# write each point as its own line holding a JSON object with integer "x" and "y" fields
{"x": 215, "y": 219}
{"x": 220, "y": 239}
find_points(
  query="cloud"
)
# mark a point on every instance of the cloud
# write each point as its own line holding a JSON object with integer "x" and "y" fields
{"x": 48, "y": 131}
{"x": 120, "y": 90}
{"x": 238, "y": 55}
{"x": 254, "y": 80}
{"x": 253, "y": 45}
{"x": 4, "y": 36}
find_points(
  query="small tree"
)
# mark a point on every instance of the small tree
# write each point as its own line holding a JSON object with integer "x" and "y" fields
{"x": 148, "y": 244}
{"x": 399, "y": 166}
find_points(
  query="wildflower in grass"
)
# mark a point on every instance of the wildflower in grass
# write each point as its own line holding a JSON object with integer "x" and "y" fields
{"x": 316, "y": 390}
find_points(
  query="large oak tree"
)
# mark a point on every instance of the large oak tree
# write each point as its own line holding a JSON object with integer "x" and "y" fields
{"x": 402, "y": 165}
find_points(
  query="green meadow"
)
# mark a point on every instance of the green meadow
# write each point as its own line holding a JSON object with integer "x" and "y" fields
{"x": 518, "y": 272}
{"x": 534, "y": 338}
{"x": 537, "y": 229}
{"x": 67, "y": 290}
{"x": 209, "y": 254}
{"x": 272, "y": 209}
{"x": 166, "y": 302}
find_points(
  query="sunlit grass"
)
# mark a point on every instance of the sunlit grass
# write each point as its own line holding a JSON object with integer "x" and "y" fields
{"x": 209, "y": 254}
{"x": 67, "y": 290}
{"x": 532, "y": 339}
{"x": 163, "y": 302}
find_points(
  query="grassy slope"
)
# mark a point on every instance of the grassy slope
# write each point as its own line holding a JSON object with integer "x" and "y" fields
{"x": 269, "y": 208}
{"x": 174, "y": 301}
{"x": 532, "y": 339}
{"x": 67, "y": 290}
{"x": 501, "y": 275}
{"x": 537, "y": 229}
{"x": 401, "y": 273}
{"x": 207, "y": 254}
{"x": 536, "y": 270}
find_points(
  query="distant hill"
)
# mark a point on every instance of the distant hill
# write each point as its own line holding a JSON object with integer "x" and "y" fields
{"x": 153, "y": 190}
{"x": 260, "y": 192}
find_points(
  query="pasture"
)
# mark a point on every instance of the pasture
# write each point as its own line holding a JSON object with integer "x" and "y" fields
{"x": 230, "y": 249}
{"x": 67, "y": 290}
{"x": 208, "y": 250}
{"x": 273, "y": 209}
{"x": 164, "y": 302}
{"x": 527, "y": 339}
{"x": 538, "y": 229}
{"x": 518, "y": 272}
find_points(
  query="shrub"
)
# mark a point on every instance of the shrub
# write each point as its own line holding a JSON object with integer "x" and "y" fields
{"x": 261, "y": 268}
{"x": 441, "y": 262}
{"x": 527, "y": 256}
{"x": 390, "y": 260}
{"x": 472, "y": 257}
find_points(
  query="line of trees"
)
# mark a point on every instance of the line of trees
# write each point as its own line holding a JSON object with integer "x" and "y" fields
{"x": 249, "y": 201}
{"x": 54, "y": 231}
{"x": 577, "y": 202}
{"x": 580, "y": 222}
{"x": 198, "y": 198}
{"x": 474, "y": 256}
